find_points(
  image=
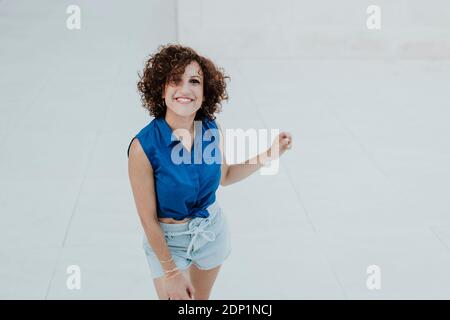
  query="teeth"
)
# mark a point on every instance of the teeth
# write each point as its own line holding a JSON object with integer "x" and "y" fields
{"x": 183, "y": 100}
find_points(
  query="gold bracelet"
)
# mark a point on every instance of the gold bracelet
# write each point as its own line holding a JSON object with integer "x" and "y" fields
{"x": 165, "y": 261}
{"x": 172, "y": 270}
{"x": 172, "y": 276}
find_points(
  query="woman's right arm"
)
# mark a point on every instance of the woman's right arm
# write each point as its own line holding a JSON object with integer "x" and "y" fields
{"x": 140, "y": 173}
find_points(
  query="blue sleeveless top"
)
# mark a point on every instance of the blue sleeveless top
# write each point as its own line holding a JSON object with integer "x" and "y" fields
{"x": 185, "y": 182}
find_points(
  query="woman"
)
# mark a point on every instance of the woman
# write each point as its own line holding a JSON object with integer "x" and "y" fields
{"x": 186, "y": 233}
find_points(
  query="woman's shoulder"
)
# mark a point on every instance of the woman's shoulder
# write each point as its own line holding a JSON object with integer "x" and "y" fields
{"x": 149, "y": 128}
{"x": 146, "y": 137}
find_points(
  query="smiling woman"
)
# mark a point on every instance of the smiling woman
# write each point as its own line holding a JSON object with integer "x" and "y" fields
{"x": 186, "y": 233}
{"x": 186, "y": 236}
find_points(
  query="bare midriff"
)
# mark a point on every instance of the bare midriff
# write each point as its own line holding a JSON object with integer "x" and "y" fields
{"x": 173, "y": 221}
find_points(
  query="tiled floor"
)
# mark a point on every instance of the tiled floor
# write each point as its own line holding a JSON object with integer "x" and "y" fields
{"x": 366, "y": 182}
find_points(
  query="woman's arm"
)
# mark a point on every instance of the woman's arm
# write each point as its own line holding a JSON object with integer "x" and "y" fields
{"x": 141, "y": 178}
{"x": 237, "y": 172}
{"x": 140, "y": 173}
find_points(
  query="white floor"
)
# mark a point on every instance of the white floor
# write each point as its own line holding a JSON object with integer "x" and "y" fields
{"x": 366, "y": 182}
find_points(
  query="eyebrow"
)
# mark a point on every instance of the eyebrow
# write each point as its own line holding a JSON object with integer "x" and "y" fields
{"x": 196, "y": 76}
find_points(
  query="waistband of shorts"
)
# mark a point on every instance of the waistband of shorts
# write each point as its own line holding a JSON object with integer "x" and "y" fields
{"x": 213, "y": 210}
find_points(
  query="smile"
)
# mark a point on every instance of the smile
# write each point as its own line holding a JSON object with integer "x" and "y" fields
{"x": 184, "y": 100}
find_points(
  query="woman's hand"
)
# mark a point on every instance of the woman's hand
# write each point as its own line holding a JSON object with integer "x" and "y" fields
{"x": 178, "y": 287}
{"x": 282, "y": 142}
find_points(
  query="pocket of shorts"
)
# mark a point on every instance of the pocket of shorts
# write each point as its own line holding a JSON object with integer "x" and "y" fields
{"x": 222, "y": 225}
{"x": 168, "y": 238}
{"x": 146, "y": 245}
{"x": 215, "y": 219}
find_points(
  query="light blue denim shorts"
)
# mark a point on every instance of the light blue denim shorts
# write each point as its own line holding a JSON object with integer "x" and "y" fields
{"x": 205, "y": 242}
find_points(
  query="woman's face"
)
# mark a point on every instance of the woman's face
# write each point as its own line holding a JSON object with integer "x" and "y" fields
{"x": 186, "y": 97}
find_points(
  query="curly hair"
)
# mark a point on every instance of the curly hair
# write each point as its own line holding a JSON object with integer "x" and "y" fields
{"x": 167, "y": 65}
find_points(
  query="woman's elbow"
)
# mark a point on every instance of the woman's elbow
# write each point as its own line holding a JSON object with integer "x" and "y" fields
{"x": 223, "y": 183}
{"x": 224, "y": 176}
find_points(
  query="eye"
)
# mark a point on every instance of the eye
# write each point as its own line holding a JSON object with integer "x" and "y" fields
{"x": 195, "y": 81}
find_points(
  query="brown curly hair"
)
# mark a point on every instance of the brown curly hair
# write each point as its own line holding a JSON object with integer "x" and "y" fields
{"x": 167, "y": 65}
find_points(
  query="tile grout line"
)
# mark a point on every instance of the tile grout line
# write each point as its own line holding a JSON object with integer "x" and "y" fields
{"x": 91, "y": 154}
{"x": 432, "y": 228}
{"x": 358, "y": 142}
{"x": 4, "y": 138}
{"x": 299, "y": 199}
{"x": 177, "y": 26}
{"x": 395, "y": 186}
{"x": 41, "y": 87}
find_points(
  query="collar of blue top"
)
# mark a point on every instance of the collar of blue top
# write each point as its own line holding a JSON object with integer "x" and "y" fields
{"x": 168, "y": 132}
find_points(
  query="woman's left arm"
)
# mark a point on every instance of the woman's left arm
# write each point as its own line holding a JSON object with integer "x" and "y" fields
{"x": 237, "y": 172}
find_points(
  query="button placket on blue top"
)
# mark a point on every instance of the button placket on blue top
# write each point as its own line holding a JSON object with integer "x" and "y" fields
{"x": 192, "y": 179}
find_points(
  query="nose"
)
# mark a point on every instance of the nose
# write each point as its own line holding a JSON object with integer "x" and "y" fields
{"x": 184, "y": 88}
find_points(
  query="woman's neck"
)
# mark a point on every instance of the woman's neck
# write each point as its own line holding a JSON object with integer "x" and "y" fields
{"x": 176, "y": 121}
